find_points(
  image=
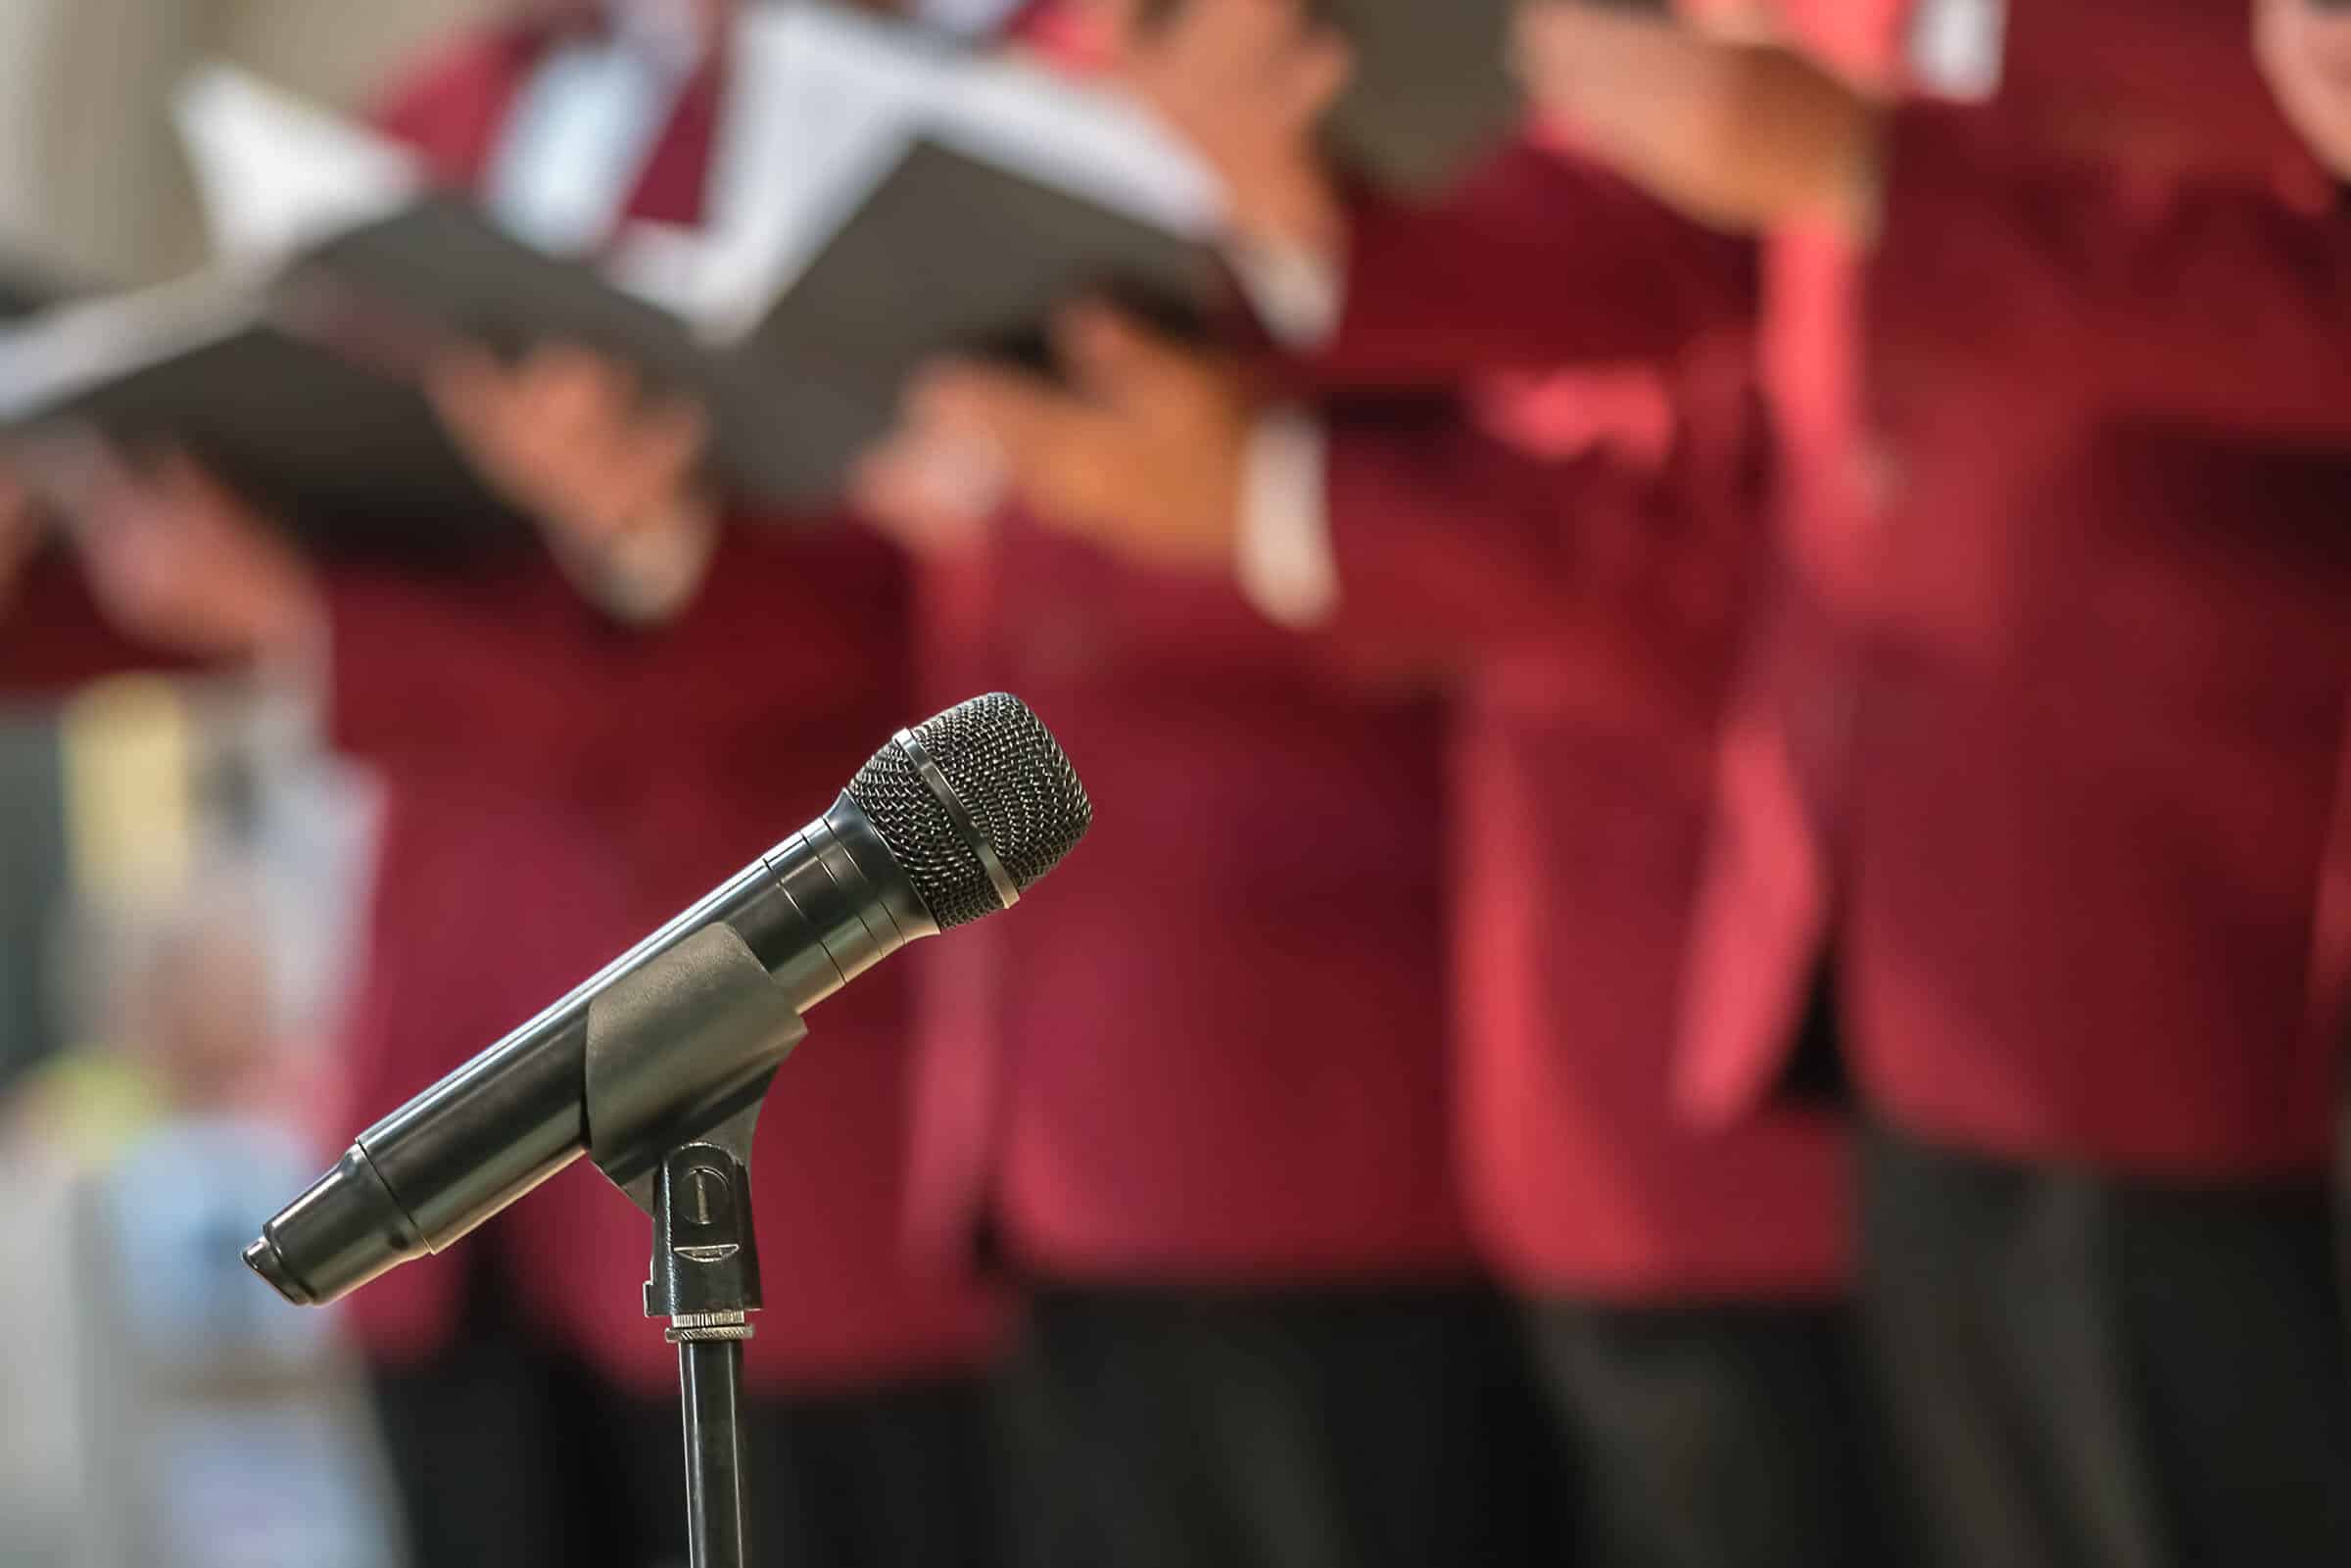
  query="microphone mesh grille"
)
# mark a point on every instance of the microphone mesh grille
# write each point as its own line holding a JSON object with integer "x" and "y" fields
{"x": 1014, "y": 781}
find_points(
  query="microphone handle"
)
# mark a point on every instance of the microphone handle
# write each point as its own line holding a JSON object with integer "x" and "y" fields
{"x": 818, "y": 910}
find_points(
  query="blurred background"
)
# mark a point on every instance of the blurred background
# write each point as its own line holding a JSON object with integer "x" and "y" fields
{"x": 1715, "y": 681}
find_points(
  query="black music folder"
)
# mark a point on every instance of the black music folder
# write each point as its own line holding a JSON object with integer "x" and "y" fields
{"x": 948, "y": 256}
{"x": 349, "y": 457}
{"x": 1432, "y": 89}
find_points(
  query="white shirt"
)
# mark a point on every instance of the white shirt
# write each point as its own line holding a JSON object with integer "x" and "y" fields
{"x": 1283, "y": 560}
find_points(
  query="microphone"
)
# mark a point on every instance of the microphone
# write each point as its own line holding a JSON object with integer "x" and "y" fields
{"x": 949, "y": 822}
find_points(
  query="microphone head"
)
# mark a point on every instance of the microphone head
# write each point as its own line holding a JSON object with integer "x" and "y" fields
{"x": 976, "y": 806}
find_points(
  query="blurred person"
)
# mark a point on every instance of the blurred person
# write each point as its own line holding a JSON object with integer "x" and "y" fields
{"x": 2303, "y": 51}
{"x": 92, "y": 177}
{"x": 187, "y": 1424}
{"x": 2044, "y": 749}
{"x": 1196, "y": 1100}
{"x": 1197, "y": 1096}
{"x": 1577, "y": 549}
{"x": 234, "y": 1435}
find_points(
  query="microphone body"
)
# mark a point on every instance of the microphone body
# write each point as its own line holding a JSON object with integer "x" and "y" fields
{"x": 818, "y": 910}
{"x": 951, "y": 822}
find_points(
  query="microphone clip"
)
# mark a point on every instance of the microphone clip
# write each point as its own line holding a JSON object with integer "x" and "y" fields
{"x": 681, "y": 1051}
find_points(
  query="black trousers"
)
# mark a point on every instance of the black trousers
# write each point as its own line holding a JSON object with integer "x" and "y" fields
{"x": 2092, "y": 1373}
{"x": 2342, "y": 1200}
{"x": 906, "y": 1476}
{"x": 1713, "y": 1437}
{"x": 481, "y": 1440}
{"x": 508, "y": 1456}
{"x": 1348, "y": 1429}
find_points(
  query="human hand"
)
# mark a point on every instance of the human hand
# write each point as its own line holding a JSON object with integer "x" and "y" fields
{"x": 177, "y": 559}
{"x": 570, "y": 437}
{"x": 2304, "y": 48}
{"x": 1142, "y": 455}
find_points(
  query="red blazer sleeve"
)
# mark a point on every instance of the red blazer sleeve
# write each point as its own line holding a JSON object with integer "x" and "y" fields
{"x": 1537, "y": 260}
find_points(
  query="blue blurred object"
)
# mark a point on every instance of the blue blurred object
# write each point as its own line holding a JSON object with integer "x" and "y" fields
{"x": 231, "y": 1423}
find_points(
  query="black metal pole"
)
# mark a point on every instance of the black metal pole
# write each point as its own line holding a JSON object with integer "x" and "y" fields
{"x": 710, "y": 1381}
{"x": 706, "y": 1280}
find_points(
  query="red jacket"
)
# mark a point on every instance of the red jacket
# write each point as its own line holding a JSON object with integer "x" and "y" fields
{"x": 665, "y": 759}
{"x": 1592, "y": 605}
{"x": 1580, "y": 767}
{"x": 2050, "y": 749}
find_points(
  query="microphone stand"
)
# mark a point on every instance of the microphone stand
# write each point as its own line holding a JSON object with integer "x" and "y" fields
{"x": 679, "y": 1055}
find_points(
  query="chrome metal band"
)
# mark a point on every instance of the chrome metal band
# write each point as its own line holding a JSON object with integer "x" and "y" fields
{"x": 707, "y": 1336}
{"x": 691, "y": 1328}
{"x": 1008, "y": 893}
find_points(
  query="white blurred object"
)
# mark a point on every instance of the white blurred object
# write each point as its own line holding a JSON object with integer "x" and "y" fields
{"x": 1956, "y": 47}
{"x": 276, "y": 172}
{"x": 576, "y": 143}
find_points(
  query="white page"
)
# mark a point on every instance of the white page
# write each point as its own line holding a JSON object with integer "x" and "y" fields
{"x": 276, "y": 172}
{"x": 1092, "y": 140}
